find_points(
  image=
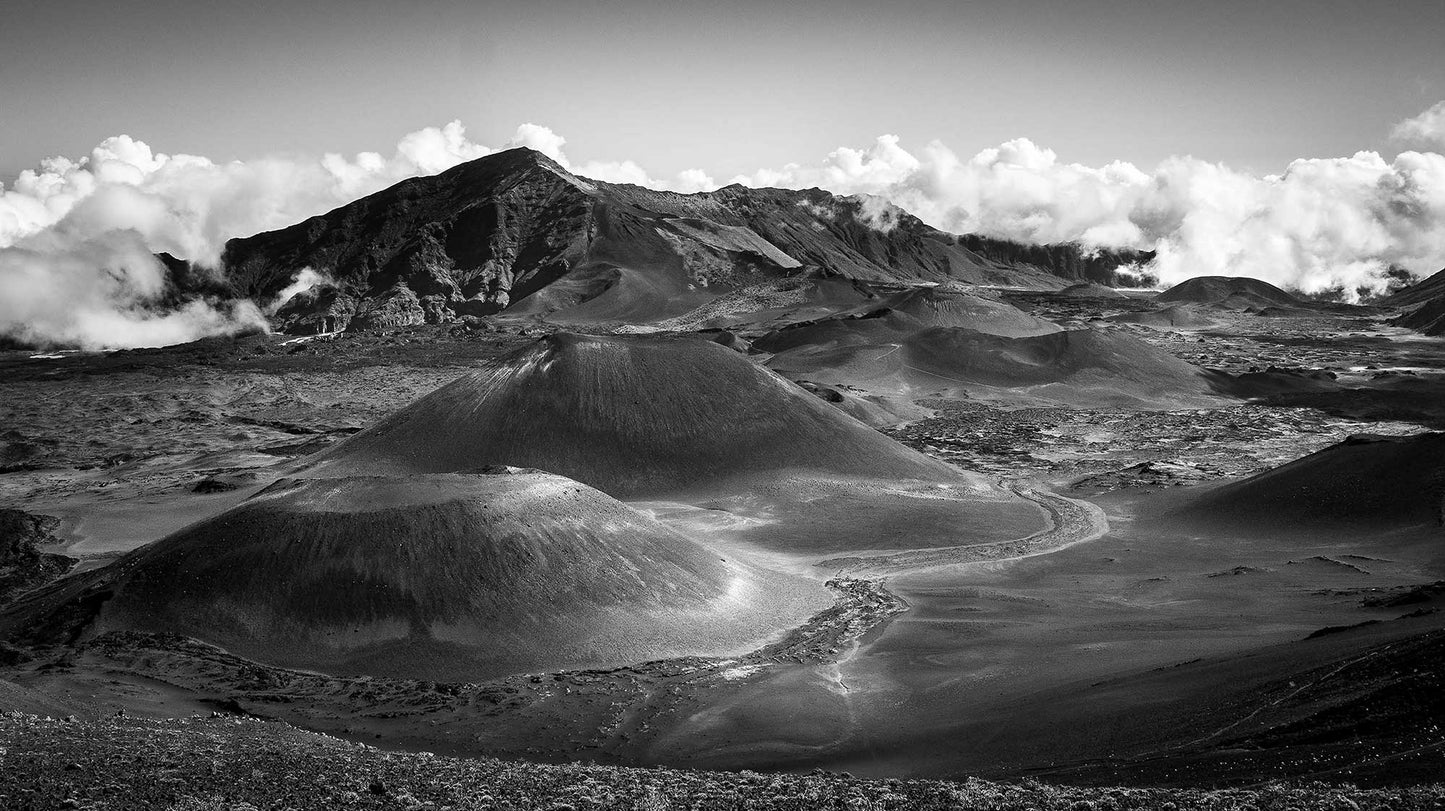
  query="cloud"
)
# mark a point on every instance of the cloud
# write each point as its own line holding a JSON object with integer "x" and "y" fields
{"x": 1322, "y": 224}
{"x": 189, "y": 206}
{"x": 72, "y": 224}
{"x": 878, "y": 213}
{"x": 103, "y": 293}
{"x": 305, "y": 279}
{"x": 76, "y": 235}
{"x": 1424, "y": 130}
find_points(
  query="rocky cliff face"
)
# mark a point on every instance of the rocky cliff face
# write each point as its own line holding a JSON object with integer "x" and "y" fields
{"x": 515, "y": 231}
{"x": 1066, "y": 260}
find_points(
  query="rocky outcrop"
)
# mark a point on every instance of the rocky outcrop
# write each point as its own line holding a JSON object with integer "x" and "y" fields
{"x": 22, "y": 565}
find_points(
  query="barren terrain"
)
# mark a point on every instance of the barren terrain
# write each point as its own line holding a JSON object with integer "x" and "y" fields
{"x": 1040, "y": 587}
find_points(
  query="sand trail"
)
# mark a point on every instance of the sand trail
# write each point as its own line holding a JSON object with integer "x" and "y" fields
{"x": 1072, "y": 521}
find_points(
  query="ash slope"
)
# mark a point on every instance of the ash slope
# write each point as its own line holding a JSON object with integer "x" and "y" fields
{"x": 1231, "y": 292}
{"x": 1073, "y": 367}
{"x": 450, "y": 577}
{"x": 1424, "y": 303}
{"x": 903, "y": 314}
{"x": 516, "y": 227}
{"x": 1366, "y": 484}
{"x": 634, "y": 416}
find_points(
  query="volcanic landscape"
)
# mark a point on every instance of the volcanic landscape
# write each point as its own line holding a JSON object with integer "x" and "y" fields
{"x": 554, "y": 470}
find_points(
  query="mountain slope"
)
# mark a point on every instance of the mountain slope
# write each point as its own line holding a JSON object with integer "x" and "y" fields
{"x": 1366, "y": 484}
{"x": 1230, "y": 292}
{"x": 1425, "y": 302}
{"x": 1431, "y": 288}
{"x": 631, "y": 416}
{"x": 516, "y": 230}
{"x": 1074, "y": 367}
{"x": 456, "y": 577}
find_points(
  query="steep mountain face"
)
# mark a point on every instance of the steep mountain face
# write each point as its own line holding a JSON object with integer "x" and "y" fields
{"x": 515, "y": 231}
{"x": 1066, "y": 260}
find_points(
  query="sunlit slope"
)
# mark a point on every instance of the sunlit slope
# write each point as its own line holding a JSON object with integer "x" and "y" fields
{"x": 631, "y": 415}
{"x": 452, "y": 577}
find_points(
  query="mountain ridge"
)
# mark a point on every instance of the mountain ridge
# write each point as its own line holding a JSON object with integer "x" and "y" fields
{"x": 481, "y": 237}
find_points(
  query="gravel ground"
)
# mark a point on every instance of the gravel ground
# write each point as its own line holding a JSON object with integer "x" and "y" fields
{"x": 235, "y": 763}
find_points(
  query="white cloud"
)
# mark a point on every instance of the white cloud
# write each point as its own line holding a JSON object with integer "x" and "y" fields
{"x": 1322, "y": 224}
{"x": 1426, "y": 129}
{"x": 878, "y": 213}
{"x": 82, "y": 230}
{"x": 305, "y": 279}
{"x": 100, "y": 293}
{"x": 76, "y": 236}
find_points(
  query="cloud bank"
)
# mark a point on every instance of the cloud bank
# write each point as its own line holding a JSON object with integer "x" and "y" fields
{"x": 1322, "y": 224}
{"x": 103, "y": 292}
{"x": 77, "y": 235}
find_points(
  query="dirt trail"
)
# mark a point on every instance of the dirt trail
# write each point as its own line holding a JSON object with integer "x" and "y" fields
{"x": 1073, "y": 521}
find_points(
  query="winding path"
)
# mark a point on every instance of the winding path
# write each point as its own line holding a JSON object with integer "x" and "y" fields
{"x": 1073, "y": 521}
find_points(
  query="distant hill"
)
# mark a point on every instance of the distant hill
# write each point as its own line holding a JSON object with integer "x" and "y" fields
{"x": 1231, "y": 292}
{"x": 1078, "y": 367}
{"x": 516, "y": 232}
{"x": 901, "y": 315}
{"x": 633, "y": 416}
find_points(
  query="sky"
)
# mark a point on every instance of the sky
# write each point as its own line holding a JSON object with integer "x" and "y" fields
{"x": 1302, "y": 143}
{"x": 728, "y": 87}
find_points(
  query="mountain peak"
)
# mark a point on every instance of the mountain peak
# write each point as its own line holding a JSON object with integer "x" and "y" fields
{"x": 515, "y": 161}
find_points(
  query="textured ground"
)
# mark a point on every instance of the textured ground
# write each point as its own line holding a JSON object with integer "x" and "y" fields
{"x": 1178, "y": 659}
{"x": 232, "y": 764}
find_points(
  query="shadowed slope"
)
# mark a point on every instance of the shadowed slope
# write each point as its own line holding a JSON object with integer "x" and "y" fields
{"x": 1425, "y": 302}
{"x": 1428, "y": 318}
{"x": 1431, "y": 288}
{"x": 1366, "y": 483}
{"x": 440, "y": 577}
{"x": 633, "y": 416}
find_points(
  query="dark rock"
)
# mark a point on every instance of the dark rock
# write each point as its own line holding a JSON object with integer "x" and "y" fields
{"x": 22, "y": 565}
{"x": 212, "y": 484}
{"x": 321, "y": 309}
{"x": 397, "y": 307}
